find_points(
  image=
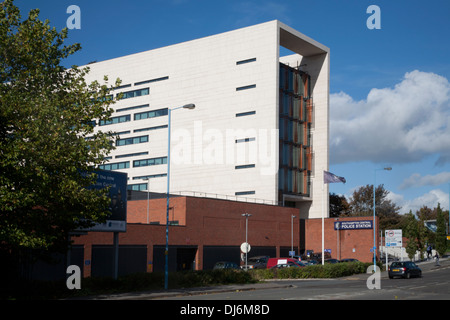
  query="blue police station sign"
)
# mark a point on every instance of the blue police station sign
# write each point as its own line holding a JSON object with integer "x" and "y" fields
{"x": 353, "y": 225}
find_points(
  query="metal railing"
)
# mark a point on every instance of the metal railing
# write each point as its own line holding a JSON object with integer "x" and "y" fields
{"x": 199, "y": 194}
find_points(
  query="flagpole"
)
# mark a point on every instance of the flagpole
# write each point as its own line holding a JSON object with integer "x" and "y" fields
{"x": 323, "y": 222}
{"x": 330, "y": 178}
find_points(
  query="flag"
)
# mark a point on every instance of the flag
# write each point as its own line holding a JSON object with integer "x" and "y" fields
{"x": 329, "y": 177}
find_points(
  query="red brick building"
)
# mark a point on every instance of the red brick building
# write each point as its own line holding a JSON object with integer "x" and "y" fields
{"x": 203, "y": 231}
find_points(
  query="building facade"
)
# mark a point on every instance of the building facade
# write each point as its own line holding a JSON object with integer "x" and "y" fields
{"x": 259, "y": 130}
{"x": 203, "y": 231}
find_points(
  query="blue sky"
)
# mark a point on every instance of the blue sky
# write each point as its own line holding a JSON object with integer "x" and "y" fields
{"x": 389, "y": 88}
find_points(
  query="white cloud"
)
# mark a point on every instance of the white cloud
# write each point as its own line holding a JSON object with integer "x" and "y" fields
{"x": 416, "y": 180}
{"x": 429, "y": 199}
{"x": 393, "y": 125}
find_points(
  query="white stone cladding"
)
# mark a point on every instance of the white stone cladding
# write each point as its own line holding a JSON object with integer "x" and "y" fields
{"x": 210, "y": 141}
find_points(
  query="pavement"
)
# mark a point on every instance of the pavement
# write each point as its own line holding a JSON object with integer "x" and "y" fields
{"x": 429, "y": 265}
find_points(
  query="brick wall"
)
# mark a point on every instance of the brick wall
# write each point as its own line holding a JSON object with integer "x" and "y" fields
{"x": 214, "y": 222}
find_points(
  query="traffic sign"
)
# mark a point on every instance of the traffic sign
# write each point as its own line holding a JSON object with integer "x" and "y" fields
{"x": 245, "y": 247}
{"x": 394, "y": 238}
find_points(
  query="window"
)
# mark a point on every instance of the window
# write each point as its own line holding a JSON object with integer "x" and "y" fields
{"x": 115, "y": 120}
{"x": 245, "y": 140}
{"x": 151, "y": 114}
{"x": 245, "y": 166}
{"x": 243, "y": 114}
{"x": 244, "y": 193}
{"x": 149, "y": 162}
{"x": 151, "y": 128}
{"x": 132, "y": 155}
{"x": 133, "y": 108}
{"x": 151, "y": 176}
{"x": 246, "y": 87}
{"x": 123, "y": 86}
{"x": 115, "y": 166}
{"x": 128, "y": 141}
{"x": 151, "y": 81}
{"x": 245, "y": 61}
{"x": 135, "y": 93}
{"x": 137, "y": 187}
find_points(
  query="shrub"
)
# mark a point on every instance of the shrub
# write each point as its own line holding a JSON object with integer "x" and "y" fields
{"x": 317, "y": 271}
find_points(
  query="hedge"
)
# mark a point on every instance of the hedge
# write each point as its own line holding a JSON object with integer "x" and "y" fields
{"x": 315, "y": 271}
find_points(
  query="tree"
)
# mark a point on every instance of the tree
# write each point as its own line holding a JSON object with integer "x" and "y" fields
{"x": 441, "y": 240}
{"x": 411, "y": 233}
{"x": 361, "y": 204}
{"x": 338, "y": 205}
{"x": 48, "y": 149}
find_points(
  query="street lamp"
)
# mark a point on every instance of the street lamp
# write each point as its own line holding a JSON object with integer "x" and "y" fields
{"x": 374, "y": 242}
{"x": 292, "y": 235}
{"x": 246, "y": 215}
{"x": 166, "y": 273}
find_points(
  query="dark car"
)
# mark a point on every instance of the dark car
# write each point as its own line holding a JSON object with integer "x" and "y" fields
{"x": 404, "y": 270}
{"x": 225, "y": 265}
{"x": 289, "y": 264}
{"x": 258, "y": 262}
{"x": 331, "y": 261}
{"x": 349, "y": 260}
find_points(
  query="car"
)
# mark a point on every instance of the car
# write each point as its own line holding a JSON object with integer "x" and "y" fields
{"x": 349, "y": 260}
{"x": 331, "y": 261}
{"x": 288, "y": 264}
{"x": 311, "y": 262}
{"x": 404, "y": 269}
{"x": 258, "y": 262}
{"x": 225, "y": 265}
{"x": 272, "y": 262}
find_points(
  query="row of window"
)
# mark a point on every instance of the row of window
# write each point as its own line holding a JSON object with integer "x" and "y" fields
{"x": 136, "y": 164}
{"x": 144, "y": 186}
{"x": 149, "y": 162}
{"x": 137, "y": 116}
{"x": 134, "y": 93}
{"x": 139, "y": 92}
{"x": 129, "y": 141}
{"x": 244, "y": 114}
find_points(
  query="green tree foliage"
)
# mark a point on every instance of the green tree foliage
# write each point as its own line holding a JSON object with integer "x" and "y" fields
{"x": 361, "y": 204}
{"x": 441, "y": 239}
{"x": 411, "y": 232}
{"x": 338, "y": 205}
{"x": 48, "y": 148}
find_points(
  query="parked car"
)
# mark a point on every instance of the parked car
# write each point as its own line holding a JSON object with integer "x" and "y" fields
{"x": 258, "y": 262}
{"x": 404, "y": 269}
{"x": 349, "y": 260}
{"x": 311, "y": 262}
{"x": 272, "y": 262}
{"x": 225, "y": 265}
{"x": 331, "y": 261}
{"x": 289, "y": 264}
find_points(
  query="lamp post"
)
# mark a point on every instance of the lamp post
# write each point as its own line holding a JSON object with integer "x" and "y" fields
{"x": 292, "y": 234}
{"x": 374, "y": 242}
{"x": 246, "y": 215}
{"x": 166, "y": 272}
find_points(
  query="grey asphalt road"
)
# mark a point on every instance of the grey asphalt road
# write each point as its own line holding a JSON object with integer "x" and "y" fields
{"x": 433, "y": 285}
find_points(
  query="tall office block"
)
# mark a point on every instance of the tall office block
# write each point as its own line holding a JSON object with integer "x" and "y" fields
{"x": 259, "y": 131}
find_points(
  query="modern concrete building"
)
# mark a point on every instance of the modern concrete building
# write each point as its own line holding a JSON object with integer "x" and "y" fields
{"x": 259, "y": 131}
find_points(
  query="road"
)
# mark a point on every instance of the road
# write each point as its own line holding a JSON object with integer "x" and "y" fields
{"x": 433, "y": 285}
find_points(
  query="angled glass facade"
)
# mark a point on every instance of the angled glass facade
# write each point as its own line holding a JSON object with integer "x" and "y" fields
{"x": 295, "y": 108}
